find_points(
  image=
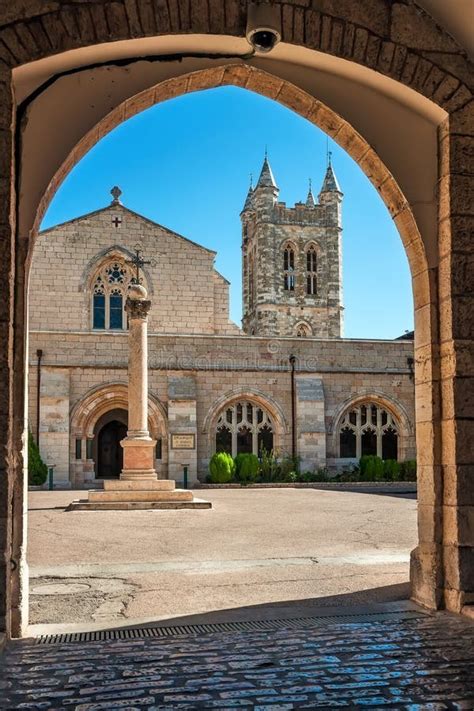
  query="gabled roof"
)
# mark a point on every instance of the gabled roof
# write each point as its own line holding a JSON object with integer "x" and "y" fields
{"x": 117, "y": 207}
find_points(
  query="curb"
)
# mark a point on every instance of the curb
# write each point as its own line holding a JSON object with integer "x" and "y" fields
{"x": 399, "y": 486}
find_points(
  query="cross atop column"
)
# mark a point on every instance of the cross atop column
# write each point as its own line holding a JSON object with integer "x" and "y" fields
{"x": 138, "y": 262}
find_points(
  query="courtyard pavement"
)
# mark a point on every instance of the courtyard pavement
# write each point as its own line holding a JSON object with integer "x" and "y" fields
{"x": 254, "y": 551}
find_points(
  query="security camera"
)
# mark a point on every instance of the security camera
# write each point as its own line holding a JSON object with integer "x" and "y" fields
{"x": 263, "y": 26}
{"x": 263, "y": 39}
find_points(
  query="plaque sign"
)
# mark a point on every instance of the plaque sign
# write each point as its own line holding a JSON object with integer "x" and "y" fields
{"x": 183, "y": 441}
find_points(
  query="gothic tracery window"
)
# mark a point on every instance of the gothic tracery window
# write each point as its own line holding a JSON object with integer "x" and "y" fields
{"x": 289, "y": 268}
{"x": 368, "y": 429}
{"x": 244, "y": 427}
{"x": 108, "y": 296}
{"x": 311, "y": 271}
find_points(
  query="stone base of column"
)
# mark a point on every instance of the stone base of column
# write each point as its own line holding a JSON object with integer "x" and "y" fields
{"x": 138, "y": 487}
{"x": 138, "y": 474}
{"x": 138, "y": 458}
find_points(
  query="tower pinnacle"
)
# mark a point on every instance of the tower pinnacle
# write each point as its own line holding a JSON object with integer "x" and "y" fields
{"x": 266, "y": 179}
{"x": 330, "y": 184}
{"x": 248, "y": 199}
{"x": 310, "y": 201}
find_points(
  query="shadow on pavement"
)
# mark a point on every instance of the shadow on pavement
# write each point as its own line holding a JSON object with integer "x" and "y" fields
{"x": 388, "y": 598}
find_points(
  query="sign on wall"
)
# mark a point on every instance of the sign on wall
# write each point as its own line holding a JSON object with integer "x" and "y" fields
{"x": 183, "y": 441}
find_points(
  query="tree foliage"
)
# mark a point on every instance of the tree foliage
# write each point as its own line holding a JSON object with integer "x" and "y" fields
{"x": 37, "y": 469}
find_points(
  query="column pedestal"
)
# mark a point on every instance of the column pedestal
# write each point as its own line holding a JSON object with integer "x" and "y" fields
{"x": 138, "y": 459}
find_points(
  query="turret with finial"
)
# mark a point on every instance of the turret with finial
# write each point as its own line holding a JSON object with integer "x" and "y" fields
{"x": 330, "y": 183}
{"x": 310, "y": 201}
{"x": 248, "y": 200}
{"x": 265, "y": 193}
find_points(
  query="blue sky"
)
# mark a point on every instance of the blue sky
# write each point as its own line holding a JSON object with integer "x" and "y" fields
{"x": 186, "y": 164}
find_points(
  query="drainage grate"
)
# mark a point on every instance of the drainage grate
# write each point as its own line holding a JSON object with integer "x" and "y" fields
{"x": 244, "y": 626}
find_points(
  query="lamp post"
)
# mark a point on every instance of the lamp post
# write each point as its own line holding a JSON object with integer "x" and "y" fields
{"x": 292, "y": 360}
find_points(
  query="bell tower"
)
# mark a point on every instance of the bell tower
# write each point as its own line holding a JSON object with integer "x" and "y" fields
{"x": 291, "y": 260}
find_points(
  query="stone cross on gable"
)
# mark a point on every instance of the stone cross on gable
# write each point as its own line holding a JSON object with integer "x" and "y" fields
{"x": 116, "y": 193}
{"x": 138, "y": 262}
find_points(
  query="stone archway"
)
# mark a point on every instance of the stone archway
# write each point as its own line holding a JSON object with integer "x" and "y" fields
{"x": 96, "y": 408}
{"x": 372, "y": 36}
{"x": 109, "y": 430}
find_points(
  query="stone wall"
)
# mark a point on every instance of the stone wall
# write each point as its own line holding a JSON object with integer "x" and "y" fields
{"x": 194, "y": 376}
{"x": 191, "y": 297}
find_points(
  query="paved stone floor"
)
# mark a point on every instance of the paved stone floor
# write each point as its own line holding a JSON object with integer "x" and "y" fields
{"x": 426, "y": 663}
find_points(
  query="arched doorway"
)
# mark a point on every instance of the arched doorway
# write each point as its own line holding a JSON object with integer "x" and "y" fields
{"x": 109, "y": 431}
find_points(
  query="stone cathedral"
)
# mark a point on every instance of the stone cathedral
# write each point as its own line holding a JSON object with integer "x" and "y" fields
{"x": 212, "y": 385}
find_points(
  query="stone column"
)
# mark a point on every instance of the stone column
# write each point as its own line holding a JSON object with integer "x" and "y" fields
{"x": 456, "y": 299}
{"x": 138, "y": 446}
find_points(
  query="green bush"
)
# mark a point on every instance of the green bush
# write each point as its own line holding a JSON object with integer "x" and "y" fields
{"x": 371, "y": 468}
{"x": 408, "y": 470}
{"x": 288, "y": 464}
{"x": 221, "y": 468}
{"x": 269, "y": 467}
{"x": 247, "y": 467}
{"x": 321, "y": 475}
{"x": 313, "y": 476}
{"x": 37, "y": 469}
{"x": 391, "y": 470}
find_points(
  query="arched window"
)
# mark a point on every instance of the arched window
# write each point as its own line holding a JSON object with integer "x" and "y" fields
{"x": 244, "y": 427}
{"x": 303, "y": 330}
{"x": 288, "y": 268}
{"x": 368, "y": 429}
{"x": 311, "y": 271}
{"x": 109, "y": 292}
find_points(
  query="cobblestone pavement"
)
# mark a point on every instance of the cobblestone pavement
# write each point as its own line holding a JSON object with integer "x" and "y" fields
{"x": 425, "y": 663}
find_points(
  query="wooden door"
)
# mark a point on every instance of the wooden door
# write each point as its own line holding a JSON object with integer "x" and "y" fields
{"x": 110, "y": 453}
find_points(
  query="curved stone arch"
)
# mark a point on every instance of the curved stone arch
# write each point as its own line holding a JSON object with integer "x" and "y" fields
{"x": 86, "y": 412}
{"x": 312, "y": 243}
{"x": 94, "y": 264}
{"x": 378, "y": 397}
{"x": 252, "y": 395}
{"x": 288, "y": 242}
{"x": 374, "y": 37}
{"x": 285, "y": 93}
